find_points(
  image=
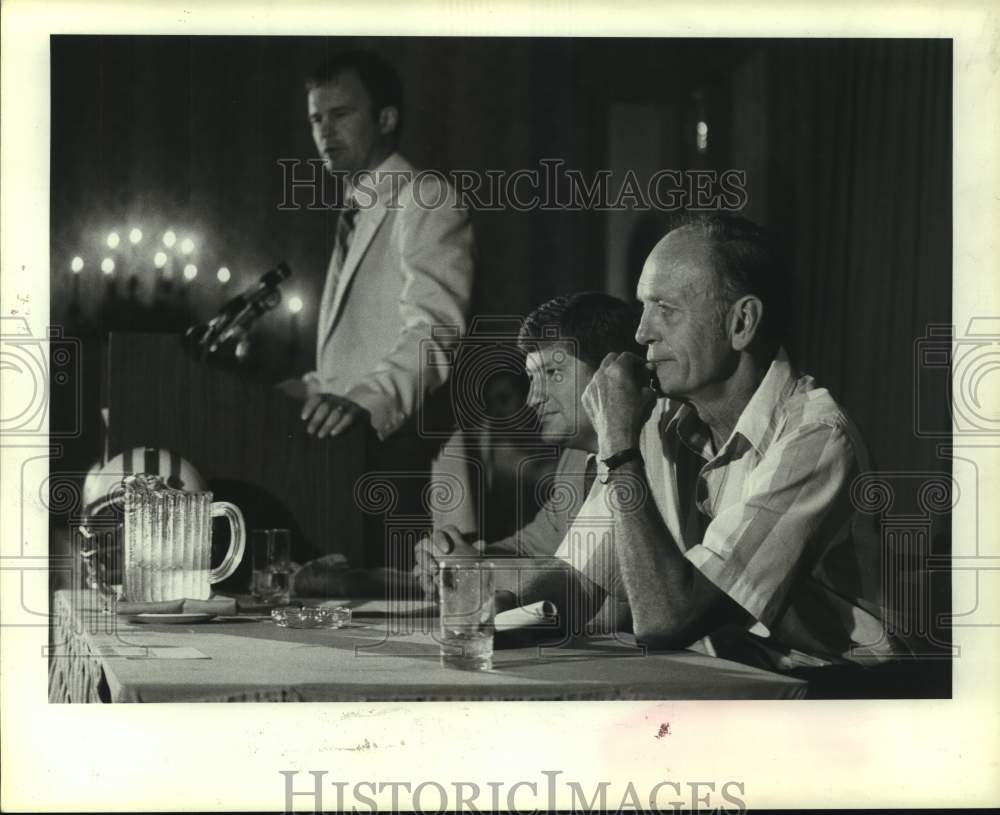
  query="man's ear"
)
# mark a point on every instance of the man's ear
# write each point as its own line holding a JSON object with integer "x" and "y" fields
{"x": 388, "y": 120}
{"x": 747, "y": 313}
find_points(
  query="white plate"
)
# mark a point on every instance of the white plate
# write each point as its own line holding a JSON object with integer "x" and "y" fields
{"x": 179, "y": 618}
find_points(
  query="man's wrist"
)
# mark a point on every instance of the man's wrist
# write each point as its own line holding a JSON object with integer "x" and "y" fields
{"x": 614, "y": 445}
{"x": 622, "y": 457}
{"x": 628, "y": 461}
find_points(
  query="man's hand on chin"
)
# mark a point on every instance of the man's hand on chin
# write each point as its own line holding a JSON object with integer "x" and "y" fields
{"x": 327, "y": 414}
{"x": 618, "y": 400}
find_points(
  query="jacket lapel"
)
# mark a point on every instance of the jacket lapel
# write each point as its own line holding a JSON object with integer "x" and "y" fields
{"x": 367, "y": 225}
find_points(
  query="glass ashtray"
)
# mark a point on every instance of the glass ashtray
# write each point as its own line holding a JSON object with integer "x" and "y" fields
{"x": 311, "y": 616}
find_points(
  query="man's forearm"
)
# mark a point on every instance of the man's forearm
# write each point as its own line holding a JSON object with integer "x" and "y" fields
{"x": 663, "y": 589}
{"x": 538, "y": 538}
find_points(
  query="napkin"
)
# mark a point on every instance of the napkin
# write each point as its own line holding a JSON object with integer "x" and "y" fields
{"x": 151, "y": 652}
{"x": 536, "y": 615}
{"x": 214, "y": 605}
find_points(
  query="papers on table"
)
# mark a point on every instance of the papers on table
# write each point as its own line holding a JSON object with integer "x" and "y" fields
{"x": 537, "y": 615}
{"x": 151, "y": 652}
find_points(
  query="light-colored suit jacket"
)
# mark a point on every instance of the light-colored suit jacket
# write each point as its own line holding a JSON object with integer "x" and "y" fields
{"x": 400, "y": 302}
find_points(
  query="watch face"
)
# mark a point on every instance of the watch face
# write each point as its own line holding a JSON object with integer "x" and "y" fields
{"x": 622, "y": 457}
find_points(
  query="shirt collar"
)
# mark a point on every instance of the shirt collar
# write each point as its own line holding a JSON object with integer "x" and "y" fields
{"x": 690, "y": 430}
{"x": 757, "y": 421}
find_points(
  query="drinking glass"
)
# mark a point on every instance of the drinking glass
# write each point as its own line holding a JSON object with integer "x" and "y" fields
{"x": 465, "y": 589}
{"x": 272, "y": 565}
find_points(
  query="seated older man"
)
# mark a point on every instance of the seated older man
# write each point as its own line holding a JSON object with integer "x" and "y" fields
{"x": 564, "y": 341}
{"x": 722, "y": 503}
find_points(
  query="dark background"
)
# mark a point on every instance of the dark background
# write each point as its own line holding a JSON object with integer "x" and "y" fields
{"x": 846, "y": 146}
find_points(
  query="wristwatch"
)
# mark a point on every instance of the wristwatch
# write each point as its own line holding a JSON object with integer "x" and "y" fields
{"x": 623, "y": 457}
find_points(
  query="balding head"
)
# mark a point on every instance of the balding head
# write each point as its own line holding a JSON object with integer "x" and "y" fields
{"x": 701, "y": 309}
{"x": 687, "y": 259}
{"x": 744, "y": 259}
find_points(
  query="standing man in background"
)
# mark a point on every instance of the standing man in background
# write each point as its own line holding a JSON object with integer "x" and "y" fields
{"x": 401, "y": 267}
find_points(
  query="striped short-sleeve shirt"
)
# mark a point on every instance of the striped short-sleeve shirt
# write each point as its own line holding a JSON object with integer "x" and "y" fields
{"x": 768, "y": 519}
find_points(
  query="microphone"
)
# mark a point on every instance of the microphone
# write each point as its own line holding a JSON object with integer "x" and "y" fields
{"x": 236, "y": 316}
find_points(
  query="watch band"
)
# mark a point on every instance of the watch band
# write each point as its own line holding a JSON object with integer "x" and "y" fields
{"x": 623, "y": 457}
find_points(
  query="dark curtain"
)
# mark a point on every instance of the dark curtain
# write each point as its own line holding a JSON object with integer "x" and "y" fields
{"x": 859, "y": 180}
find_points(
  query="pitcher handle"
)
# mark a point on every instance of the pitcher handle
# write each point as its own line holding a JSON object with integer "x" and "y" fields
{"x": 237, "y": 540}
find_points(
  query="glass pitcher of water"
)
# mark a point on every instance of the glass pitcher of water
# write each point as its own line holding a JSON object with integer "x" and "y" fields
{"x": 168, "y": 541}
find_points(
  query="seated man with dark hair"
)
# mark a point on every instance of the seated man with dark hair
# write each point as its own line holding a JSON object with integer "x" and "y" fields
{"x": 725, "y": 479}
{"x": 565, "y": 340}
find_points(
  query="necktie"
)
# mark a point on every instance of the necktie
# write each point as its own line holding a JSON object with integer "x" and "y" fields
{"x": 345, "y": 233}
